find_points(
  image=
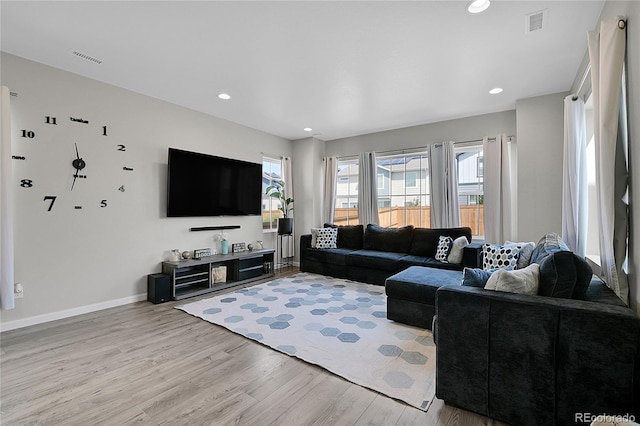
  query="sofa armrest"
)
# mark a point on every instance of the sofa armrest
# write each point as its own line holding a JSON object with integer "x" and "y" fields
{"x": 472, "y": 256}
{"x": 532, "y": 359}
{"x": 305, "y": 241}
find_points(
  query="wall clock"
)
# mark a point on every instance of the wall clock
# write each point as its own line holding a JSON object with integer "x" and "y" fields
{"x": 71, "y": 162}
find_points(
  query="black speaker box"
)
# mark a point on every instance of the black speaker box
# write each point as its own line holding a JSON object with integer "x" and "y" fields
{"x": 158, "y": 288}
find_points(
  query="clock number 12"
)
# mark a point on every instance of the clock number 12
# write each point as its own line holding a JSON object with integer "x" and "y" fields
{"x": 51, "y": 198}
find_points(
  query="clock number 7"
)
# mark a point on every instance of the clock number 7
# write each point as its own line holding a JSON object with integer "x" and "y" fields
{"x": 52, "y": 199}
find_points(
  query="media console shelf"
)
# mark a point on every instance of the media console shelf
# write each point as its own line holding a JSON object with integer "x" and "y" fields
{"x": 194, "y": 277}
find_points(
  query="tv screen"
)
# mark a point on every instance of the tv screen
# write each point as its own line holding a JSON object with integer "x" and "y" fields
{"x": 206, "y": 185}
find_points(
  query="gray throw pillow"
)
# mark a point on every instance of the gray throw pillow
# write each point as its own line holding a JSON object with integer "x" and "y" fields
{"x": 475, "y": 277}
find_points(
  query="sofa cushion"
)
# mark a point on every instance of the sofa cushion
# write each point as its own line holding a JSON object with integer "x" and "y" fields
{"x": 584, "y": 274}
{"x": 377, "y": 260}
{"x": 409, "y": 260}
{"x": 349, "y": 236}
{"x": 558, "y": 275}
{"x": 475, "y": 277}
{"x": 334, "y": 256}
{"x": 521, "y": 281}
{"x": 419, "y": 284}
{"x": 397, "y": 240}
{"x": 425, "y": 240}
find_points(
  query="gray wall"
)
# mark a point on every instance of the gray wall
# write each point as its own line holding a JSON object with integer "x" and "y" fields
{"x": 74, "y": 261}
{"x": 540, "y": 150}
{"x": 463, "y": 129}
{"x": 307, "y": 170}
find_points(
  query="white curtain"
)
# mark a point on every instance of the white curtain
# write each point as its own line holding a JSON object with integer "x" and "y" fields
{"x": 287, "y": 241}
{"x": 329, "y": 189}
{"x": 574, "y": 180}
{"x": 607, "y": 46}
{"x": 498, "y": 214}
{"x": 287, "y": 177}
{"x": 6, "y": 204}
{"x": 443, "y": 186}
{"x": 367, "y": 189}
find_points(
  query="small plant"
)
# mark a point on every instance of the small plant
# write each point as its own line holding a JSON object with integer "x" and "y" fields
{"x": 277, "y": 191}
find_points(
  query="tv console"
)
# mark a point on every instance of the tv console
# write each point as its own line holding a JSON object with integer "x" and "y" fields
{"x": 194, "y": 277}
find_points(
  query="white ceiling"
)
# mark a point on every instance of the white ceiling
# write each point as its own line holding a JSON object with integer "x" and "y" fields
{"x": 343, "y": 68}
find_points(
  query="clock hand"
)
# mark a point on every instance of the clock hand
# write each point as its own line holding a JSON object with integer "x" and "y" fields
{"x": 78, "y": 164}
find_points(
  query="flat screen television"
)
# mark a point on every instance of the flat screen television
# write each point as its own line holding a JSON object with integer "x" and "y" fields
{"x": 206, "y": 185}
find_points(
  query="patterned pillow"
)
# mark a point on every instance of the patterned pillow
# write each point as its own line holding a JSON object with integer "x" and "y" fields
{"x": 326, "y": 238}
{"x": 525, "y": 250}
{"x": 497, "y": 256}
{"x": 444, "y": 247}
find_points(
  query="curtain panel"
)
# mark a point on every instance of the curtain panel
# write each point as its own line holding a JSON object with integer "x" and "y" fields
{"x": 498, "y": 214}
{"x": 368, "y": 189}
{"x": 443, "y": 186}
{"x": 6, "y": 204}
{"x": 574, "y": 177}
{"x": 607, "y": 45}
{"x": 329, "y": 189}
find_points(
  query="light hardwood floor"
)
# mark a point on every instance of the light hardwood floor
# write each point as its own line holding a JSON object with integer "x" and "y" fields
{"x": 152, "y": 364}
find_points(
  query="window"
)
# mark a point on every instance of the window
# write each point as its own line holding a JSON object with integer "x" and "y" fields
{"x": 271, "y": 170}
{"x": 380, "y": 181}
{"x": 405, "y": 201}
{"x": 411, "y": 179}
{"x": 470, "y": 187}
{"x": 346, "y": 210}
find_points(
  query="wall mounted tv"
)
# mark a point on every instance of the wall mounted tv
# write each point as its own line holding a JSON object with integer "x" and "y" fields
{"x": 206, "y": 185}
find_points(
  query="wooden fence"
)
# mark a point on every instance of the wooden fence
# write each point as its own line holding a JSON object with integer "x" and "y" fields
{"x": 471, "y": 216}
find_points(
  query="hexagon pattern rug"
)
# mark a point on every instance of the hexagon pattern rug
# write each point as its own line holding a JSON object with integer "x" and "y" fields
{"x": 337, "y": 324}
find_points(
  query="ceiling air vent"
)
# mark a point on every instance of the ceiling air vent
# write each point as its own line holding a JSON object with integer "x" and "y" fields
{"x": 535, "y": 21}
{"x": 86, "y": 57}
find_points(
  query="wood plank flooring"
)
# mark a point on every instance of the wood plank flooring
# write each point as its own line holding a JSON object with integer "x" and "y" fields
{"x": 152, "y": 364}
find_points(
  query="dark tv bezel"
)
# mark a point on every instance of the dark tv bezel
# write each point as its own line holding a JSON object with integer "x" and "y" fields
{"x": 213, "y": 158}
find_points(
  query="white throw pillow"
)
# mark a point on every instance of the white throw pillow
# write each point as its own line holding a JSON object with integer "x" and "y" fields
{"x": 521, "y": 281}
{"x": 326, "y": 238}
{"x": 457, "y": 249}
{"x": 314, "y": 237}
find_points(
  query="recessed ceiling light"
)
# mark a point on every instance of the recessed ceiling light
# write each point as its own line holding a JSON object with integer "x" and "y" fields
{"x": 495, "y": 90}
{"x": 307, "y": 129}
{"x": 478, "y": 6}
{"x": 224, "y": 96}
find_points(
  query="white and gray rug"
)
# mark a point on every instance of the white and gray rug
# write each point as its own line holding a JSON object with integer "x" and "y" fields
{"x": 337, "y": 324}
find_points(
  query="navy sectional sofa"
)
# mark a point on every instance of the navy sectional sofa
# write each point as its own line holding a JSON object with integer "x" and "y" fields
{"x": 374, "y": 253}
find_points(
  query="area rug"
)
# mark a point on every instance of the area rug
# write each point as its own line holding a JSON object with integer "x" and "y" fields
{"x": 337, "y": 324}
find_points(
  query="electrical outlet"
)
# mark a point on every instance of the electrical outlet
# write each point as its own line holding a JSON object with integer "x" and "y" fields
{"x": 18, "y": 291}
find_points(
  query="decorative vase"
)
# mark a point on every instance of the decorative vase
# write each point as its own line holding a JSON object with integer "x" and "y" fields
{"x": 285, "y": 225}
{"x": 224, "y": 246}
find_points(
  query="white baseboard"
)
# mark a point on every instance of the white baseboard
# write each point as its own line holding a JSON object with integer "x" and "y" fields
{"x": 40, "y": 319}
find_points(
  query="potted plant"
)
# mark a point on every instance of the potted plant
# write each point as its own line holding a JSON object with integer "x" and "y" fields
{"x": 276, "y": 190}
